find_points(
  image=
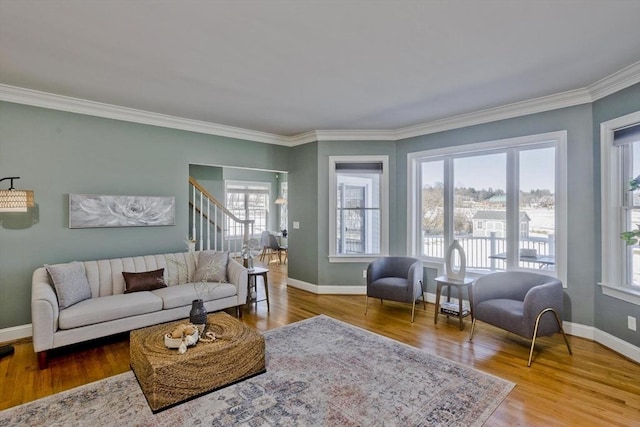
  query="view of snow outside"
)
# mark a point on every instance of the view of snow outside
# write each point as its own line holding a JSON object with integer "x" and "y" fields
{"x": 480, "y": 208}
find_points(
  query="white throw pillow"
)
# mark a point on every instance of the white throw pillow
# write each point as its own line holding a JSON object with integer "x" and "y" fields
{"x": 70, "y": 282}
{"x": 212, "y": 267}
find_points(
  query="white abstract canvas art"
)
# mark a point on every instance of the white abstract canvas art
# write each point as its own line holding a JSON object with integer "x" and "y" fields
{"x": 95, "y": 210}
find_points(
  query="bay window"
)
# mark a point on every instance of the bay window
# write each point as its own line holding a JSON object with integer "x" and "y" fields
{"x": 504, "y": 201}
{"x": 620, "y": 206}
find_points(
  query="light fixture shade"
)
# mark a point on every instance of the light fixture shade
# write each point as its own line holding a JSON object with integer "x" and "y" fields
{"x": 280, "y": 201}
{"x": 16, "y": 200}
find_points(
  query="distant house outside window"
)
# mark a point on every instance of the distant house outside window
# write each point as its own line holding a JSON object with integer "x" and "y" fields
{"x": 504, "y": 201}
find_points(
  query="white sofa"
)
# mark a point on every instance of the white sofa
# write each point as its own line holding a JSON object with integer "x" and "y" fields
{"x": 109, "y": 310}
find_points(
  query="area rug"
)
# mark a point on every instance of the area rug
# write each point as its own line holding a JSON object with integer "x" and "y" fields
{"x": 320, "y": 372}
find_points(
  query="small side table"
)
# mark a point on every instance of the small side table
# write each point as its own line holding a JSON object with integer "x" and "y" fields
{"x": 458, "y": 284}
{"x": 253, "y": 283}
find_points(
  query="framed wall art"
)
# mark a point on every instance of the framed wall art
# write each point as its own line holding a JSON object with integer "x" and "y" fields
{"x": 96, "y": 210}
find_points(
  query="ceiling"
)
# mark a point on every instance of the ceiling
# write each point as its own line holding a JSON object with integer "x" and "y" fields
{"x": 289, "y": 67}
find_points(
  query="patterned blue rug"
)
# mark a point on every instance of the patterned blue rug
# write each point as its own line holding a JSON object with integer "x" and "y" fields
{"x": 320, "y": 372}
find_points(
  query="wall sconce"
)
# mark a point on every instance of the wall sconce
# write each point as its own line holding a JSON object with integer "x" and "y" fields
{"x": 280, "y": 201}
{"x": 13, "y": 200}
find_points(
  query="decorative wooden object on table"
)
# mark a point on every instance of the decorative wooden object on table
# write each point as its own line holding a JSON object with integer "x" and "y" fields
{"x": 458, "y": 284}
{"x": 252, "y": 283}
{"x": 168, "y": 378}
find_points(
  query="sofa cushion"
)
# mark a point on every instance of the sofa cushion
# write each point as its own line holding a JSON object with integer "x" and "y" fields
{"x": 181, "y": 295}
{"x": 104, "y": 309}
{"x": 70, "y": 283}
{"x": 212, "y": 267}
{"x": 145, "y": 281}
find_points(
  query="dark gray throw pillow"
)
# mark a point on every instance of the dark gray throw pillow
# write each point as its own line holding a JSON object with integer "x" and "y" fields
{"x": 70, "y": 282}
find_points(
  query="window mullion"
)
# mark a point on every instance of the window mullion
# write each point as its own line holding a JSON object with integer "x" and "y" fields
{"x": 513, "y": 208}
{"x": 418, "y": 246}
{"x": 448, "y": 201}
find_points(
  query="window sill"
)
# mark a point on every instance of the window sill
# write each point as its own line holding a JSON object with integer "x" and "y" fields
{"x": 353, "y": 258}
{"x": 624, "y": 293}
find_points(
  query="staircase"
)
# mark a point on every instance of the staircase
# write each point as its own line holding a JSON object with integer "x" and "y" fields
{"x": 213, "y": 226}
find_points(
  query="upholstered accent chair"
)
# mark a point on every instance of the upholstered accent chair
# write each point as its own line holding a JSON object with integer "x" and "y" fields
{"x": 396, "y": 279}
{"x": 524, "y": 303}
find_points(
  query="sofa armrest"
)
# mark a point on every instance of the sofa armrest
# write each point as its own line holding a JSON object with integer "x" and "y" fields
{"x": 239, "y": 276}
{"x": 44, "y": 311}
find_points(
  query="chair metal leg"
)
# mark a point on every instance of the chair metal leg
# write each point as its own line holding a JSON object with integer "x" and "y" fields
{"x": 473, "y": 328}
{"x": 424, "y": 297}
{"x": 366, "y": 304}
{"x": 413, "y": 310}
{"x": 566, "y": 341}
{"x": 535, "y": 332}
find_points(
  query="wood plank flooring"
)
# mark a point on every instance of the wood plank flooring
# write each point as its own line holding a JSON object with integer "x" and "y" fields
{"x": 594, "y": 387}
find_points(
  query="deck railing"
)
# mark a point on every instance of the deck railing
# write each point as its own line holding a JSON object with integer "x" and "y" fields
{"x": 480, "y": 250}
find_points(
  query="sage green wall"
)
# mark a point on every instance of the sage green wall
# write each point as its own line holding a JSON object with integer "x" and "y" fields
{"x": 57, "y": 153}
{"x": 611, "y": 313}
{"x": 303, "y": 201}
{"x": 579, "y": 295}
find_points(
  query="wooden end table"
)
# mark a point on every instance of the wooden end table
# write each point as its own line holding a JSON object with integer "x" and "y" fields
{"x": 252, "y": 283}
{"x": 167, "y": 377}
{"x": 466, "y": 283}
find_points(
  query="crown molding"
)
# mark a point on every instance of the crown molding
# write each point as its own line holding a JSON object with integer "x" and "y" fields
{"x": 523, "y": 108}
{"x": 52, "y": 101}
{"x": 356, "y": 135}
{"x": 303, "y": 138}
{"x": 615, "y": 82}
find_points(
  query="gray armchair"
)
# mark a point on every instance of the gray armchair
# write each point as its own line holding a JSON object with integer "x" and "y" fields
{"x": 526, "y": 304}
{"x": 395, "y": 279}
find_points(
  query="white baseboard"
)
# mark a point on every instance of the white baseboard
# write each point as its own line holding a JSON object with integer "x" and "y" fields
{"x": 15, "y": 333}
{"x": 575, "y": 329}
{"x": 579, "y": 330}
{"x": 618, "y": 345}
{"x": 328, "y": 289}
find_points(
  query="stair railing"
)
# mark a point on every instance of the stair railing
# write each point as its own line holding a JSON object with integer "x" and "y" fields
{"x": 213, "y": 226}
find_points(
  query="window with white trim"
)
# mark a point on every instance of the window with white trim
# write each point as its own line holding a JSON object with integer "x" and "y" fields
{"x": 247, "y": 200}
{"x": 358, "y": 207}
{"x": 516, "y": 188}
{"x": 620, "y": 163}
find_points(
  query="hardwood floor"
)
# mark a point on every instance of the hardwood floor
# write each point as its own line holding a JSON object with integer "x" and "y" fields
{"x": 594, "y": 387}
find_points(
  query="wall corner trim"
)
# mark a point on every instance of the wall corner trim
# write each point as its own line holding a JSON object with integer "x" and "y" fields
{"x": 615, "y": 82}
